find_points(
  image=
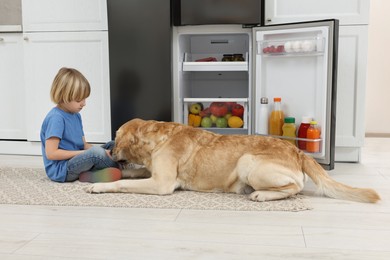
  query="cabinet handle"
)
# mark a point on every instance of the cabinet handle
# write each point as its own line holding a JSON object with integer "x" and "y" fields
{"x": 269, "y": 20}
{"x": 25, "y": 38}
{"x": 1, "y": 39}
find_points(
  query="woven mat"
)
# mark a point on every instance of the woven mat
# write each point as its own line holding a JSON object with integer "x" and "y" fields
{"x": 27, "y": 186}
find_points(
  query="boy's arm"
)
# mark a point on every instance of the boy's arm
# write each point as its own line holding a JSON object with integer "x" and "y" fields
{"x": 53, "y": 153}
{"x": 86, "y": 145}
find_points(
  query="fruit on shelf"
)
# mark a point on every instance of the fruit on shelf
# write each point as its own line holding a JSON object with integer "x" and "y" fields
{"x": 213, "y": 118}
{"x": 218, "y": 109}
{"x": 221, "y": 122}
{"x": 218, "y": 114}
{"x": 230, "y": 105}
{"x": 228, "y": 115}
{"x": 206, "y": 122}
{"x": 238, "y": 110}
{"x": 196, "y": 108}
{"x": 235, "y": 122}
{"x": 194, "y": 120}
{"x": 205, "y": 112}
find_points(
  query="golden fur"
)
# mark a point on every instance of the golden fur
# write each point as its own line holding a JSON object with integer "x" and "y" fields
{"x": 179, "y": 156}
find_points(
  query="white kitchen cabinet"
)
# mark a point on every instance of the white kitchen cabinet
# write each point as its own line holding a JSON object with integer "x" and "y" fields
{"x": 288, "y": 11}
{"x": 351, "y": 85}
{"x": 352, "y": 61}
{"x": 12, "y": 105}
{"x": 56, "y": 33}
{"x": 64, "y": 15}
{"x": 45, "y": 54}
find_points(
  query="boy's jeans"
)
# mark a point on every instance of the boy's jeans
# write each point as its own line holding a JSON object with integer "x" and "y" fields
{"x": 93, "y": 159}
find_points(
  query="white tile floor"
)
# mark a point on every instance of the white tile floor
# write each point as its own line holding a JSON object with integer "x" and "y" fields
{"x": 332, "y": 230}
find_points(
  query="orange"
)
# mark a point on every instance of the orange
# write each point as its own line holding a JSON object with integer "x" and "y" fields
{"x": 235, "y": 122}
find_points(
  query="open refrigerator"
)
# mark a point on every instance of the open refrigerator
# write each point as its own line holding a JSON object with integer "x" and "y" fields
{"x": 297, "y": 62}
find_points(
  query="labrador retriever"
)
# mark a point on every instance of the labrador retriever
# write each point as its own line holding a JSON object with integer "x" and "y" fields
{"x": 183, "y": 157}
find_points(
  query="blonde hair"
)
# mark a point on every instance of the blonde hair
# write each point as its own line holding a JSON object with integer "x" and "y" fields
{"x": 69, "y": 85}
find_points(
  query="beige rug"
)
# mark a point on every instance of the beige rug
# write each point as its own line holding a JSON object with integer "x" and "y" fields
{"x": 25, "y": 186}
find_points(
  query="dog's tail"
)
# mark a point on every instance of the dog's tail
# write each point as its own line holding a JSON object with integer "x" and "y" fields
{"x": 333, "y": 189}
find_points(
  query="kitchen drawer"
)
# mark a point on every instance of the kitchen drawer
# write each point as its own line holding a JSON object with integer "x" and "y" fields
{"x": 206, "y": 102}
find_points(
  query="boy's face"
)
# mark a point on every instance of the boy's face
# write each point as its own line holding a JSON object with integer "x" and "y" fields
{"x": 74, "y": 106}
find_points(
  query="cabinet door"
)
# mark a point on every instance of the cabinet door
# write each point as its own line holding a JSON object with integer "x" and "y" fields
{"x": 12, "y": 105}
{"x": 45, "y": 54}
{"x": 287, "y": 11}
{"x": 64, "y": 15}
{"x": 352, "y": 66}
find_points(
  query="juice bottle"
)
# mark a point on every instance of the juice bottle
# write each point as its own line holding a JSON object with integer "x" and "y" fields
{"x": 276, "y": 119}
{"x": 313, "y": 133}
{"x": 289, "y": 129}
{"x": 302, "y": 132}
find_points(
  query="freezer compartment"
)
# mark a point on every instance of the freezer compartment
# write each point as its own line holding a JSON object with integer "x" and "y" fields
{"x": 213, "y": 62}
{"x": 297, "y": 46}
{"x": 222, "y": 115}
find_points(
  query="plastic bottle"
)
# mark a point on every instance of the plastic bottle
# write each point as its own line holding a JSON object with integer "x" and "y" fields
{"x": 289, "y": 129}
{"x": 313, "y": 133}
{"x": 263, "y": 116}
{"x": 276, "y": 120}
{"x": 302, "y": 132}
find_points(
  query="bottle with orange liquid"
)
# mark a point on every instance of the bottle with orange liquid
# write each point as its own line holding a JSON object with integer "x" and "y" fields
{"x": 313, "y": 132}
{"x": 276, "y": 119}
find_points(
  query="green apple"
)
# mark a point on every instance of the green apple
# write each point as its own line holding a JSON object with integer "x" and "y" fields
{"x": 206, "y": 122}
{"x": 213, "y": 119}
{"x": 228, "y": 115}
{"x": 195, "y": 108}
{"x": 221, "y": 122}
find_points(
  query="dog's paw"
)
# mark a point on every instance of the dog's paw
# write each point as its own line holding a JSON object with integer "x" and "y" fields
{"x": 92, "y": 188}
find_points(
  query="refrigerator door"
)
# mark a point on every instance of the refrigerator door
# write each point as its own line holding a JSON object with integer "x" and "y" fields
{"x": 298, "y": 62}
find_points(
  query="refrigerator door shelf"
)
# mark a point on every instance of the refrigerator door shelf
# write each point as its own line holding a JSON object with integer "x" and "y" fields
{"x": 319, "y": 140}
{"x": 190, "y": 63}
{"x": 297, "y": 46}
{"x": 187, "y": 102}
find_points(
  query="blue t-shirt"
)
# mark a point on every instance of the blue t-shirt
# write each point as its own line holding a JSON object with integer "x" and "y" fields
{"x": 68, "y": 128}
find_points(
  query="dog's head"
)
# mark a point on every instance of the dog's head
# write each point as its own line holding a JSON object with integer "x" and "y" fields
{"x": 137, "y": 139}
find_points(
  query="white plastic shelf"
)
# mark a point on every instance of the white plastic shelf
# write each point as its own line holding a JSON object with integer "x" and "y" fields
{"x": 189, "y": 63}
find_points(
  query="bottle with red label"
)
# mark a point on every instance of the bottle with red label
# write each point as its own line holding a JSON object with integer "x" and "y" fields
{"x": 313, "y": 133}
{"x": 302, "y": 132}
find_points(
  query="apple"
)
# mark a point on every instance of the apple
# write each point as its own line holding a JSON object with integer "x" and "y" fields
{"x": 213, "y": 118}
{"x": 195, "y": 108}
{"x": 206, "y": 122}
{"x": 228, "y": 115}
{"x": 221, "y": 122}
{"x": 218, "y": 109}
{"x": 230, "y": 105}
{"x": 205, "y": 112}
{"x": 238, "y": 110}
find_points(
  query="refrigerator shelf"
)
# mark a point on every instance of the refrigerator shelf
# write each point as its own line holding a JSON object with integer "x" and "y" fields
{"x": 319, "y": 140}
{"x": 295, "y": 54}
{"x": 297, "y": 46}
{"x": 190, "y": 63}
